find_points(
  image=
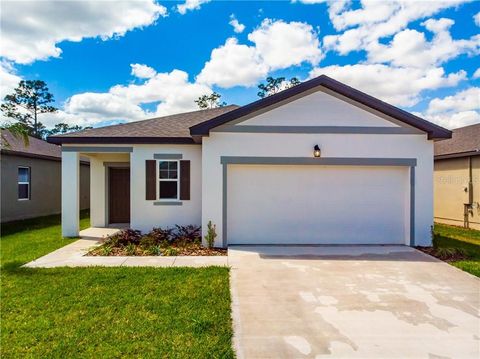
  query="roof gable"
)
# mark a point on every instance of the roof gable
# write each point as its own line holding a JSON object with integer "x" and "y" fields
{"x": 306, "y": 88}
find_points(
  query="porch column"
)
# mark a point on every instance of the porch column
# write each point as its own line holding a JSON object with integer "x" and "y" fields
{"x": 70, "y": 194}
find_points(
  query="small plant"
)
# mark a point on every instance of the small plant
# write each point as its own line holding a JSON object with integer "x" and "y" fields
{"x": 155, "y": 250}
{"x": 130, "y": 249}
{"x": 211, "y": 234}
{"x": 436, "y": 238}
{"x": 170, "y": 251}
{"x": 148, "y": 241}
{"x": 449, "y": 253}
{"x": 106, "y": 250}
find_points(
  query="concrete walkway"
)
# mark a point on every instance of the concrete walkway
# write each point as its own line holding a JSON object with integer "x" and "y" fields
{"x": 351, "y": 302}
{"x": 73, "y": 255}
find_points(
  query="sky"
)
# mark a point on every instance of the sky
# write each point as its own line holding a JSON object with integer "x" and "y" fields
{"x": 110, "y": 62}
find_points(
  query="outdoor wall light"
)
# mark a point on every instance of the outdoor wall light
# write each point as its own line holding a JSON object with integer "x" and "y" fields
{"x": 316, "y": 151}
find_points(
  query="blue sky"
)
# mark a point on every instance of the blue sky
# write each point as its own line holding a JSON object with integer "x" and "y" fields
{"x": 420, "y": 56}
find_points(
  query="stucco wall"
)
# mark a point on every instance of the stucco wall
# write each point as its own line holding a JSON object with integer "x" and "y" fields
{"x": 450, "y": 180}
{"x": 144, "y": 214}
{"x": 332, "y": 145}
{"x": 45, "y": 188}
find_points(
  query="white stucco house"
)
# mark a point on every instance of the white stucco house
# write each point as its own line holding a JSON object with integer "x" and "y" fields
{"x": 319, "y": 163}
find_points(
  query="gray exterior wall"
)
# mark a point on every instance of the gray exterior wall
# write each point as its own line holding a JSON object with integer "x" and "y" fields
{"x": 45, "y": 191}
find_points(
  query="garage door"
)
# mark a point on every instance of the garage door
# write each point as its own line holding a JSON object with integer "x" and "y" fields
{"x": 299, "y": 204}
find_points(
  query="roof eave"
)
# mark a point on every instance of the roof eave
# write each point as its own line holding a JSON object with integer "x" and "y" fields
{"x": 60, "y": 140}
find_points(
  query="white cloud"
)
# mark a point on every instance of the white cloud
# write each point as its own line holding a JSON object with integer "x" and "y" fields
{"x": 410, "y": 48}
{"x": 171, "y": 92}
{"x": 190, "y": 5}
{"x": 8, "y": 79}
{"x": 277, "y": 45}
{"x": 142, "y": 71}
{"x": 31, "y": 30}
{"x": 395, "y": 85}
{"x": 476, "y": 18}
{"x": 465, "y": 100}
{"x": 458, "y": 110}
{"x": 237, "y": 27}
{"x": 233, "y": 65}
{"x": 282, "y": 44}
{"x": 375, "y": 20}
{"x": 476, "y": 74}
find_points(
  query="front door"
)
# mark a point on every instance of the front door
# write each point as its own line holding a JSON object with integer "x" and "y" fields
{"x": 119, "y": 195}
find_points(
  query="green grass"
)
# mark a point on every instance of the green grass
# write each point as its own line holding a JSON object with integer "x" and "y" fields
{"x": 467, "y": 239}
{"x": 106, "y": 312}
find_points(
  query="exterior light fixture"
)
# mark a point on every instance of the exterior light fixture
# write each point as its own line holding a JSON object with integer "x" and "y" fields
{"x": 316, "y": 151}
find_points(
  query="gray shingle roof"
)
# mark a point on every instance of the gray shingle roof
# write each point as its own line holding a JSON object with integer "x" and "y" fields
{"x": 35, "y": 146}
{"x": 464, "y": 140}
{"x": 174, "y": 126}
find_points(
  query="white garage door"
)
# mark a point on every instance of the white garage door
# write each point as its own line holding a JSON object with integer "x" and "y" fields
{"x": 297, "y": 204}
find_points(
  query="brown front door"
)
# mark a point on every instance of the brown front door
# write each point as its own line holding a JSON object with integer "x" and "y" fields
{"x": 119, "y": 195}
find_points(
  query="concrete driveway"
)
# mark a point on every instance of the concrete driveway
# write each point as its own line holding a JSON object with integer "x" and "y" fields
{"x": 351, "y": 302}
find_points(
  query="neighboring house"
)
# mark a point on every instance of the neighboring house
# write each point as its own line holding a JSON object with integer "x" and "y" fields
{"x": 457, "y": 178}
{"x": 30, "y": 178}
{"x": 253, "y": 172}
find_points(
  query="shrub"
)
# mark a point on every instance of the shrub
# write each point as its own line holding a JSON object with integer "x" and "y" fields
{"x": 160, "y": 235}
{"x": 123, "y": 238}
{"x": 211, "y": 234}
{"x": 186, "y": 234}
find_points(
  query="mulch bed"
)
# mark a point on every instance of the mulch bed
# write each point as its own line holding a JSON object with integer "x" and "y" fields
{"x": 190, "y": 250}
{"x": 453, "y": 257}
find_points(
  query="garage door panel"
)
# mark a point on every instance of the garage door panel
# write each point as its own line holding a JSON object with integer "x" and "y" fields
{"x": 281, "y": 204}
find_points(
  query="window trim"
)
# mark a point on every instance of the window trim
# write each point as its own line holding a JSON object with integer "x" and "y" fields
{"x": 27, "y": 183}
{"x": 158, "y": 179}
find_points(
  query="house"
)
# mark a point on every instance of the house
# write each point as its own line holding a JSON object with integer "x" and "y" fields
{"x": 31, "y": 182}
{"x": 317, "y": 163}
{"x": 457, "y": 178}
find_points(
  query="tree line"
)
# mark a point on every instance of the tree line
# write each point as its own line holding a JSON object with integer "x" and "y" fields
{"x": 32, "y": 98}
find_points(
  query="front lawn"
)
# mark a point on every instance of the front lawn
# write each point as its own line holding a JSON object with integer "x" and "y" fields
{"x": 468, "y": 240}
{"x": 106, "y": 312}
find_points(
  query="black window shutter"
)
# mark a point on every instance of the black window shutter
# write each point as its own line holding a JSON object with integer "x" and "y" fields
{"x": 150, "y": 180}
{"x": 185, "y": 180}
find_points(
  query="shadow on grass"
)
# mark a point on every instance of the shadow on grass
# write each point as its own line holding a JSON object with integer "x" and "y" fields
{"x": 472, "y": 250}
{"x": 13, "y": 227}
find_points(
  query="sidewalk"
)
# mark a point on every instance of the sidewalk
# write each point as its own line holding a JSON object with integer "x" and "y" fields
{"x": 73, "y": 255}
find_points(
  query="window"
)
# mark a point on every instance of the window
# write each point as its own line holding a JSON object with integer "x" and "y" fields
{"x": 168, "y": 179}
{"x": 23, "y": 183}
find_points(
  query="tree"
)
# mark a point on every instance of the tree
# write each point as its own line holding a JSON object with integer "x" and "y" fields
{"x": 210, "y": 101}
{"x": 64, "y": 128}
{"x": 275, "y": 85}
{"x": 31, "y": 98}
